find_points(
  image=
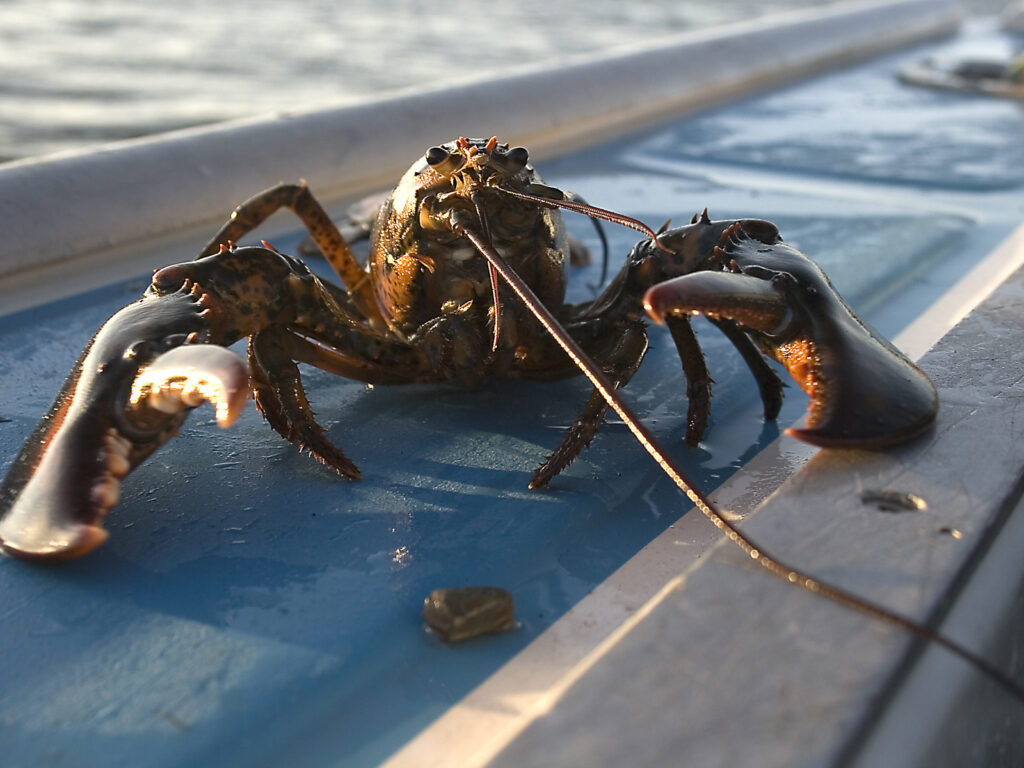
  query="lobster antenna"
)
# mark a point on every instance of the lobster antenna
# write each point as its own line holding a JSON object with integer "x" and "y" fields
{"x": 589, "y": 210}
{"x": 646, "y": 438}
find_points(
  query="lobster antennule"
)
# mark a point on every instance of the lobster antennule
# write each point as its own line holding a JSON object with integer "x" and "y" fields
{"x": 578, "y": 206}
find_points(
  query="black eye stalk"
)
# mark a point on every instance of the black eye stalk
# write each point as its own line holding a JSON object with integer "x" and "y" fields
{"x": 517, "y": 158}
{"x": 444, "y": 161}
{"x": 436, "y": 155}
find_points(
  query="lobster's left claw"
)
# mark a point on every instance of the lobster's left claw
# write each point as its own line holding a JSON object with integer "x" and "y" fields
{"x": 864, "y": 392}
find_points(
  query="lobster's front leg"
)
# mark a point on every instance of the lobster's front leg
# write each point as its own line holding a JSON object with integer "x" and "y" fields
{"x": 698, "y": 378}
{"x": 864, "y": 392}
{"x": 618, "y": 350}
{"x": 279, "y": 395}
{"x": 768, "y": 382}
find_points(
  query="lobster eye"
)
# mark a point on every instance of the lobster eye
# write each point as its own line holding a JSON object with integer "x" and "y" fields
{"x": 436, "y": 155}
{"x": 518, "y": 156}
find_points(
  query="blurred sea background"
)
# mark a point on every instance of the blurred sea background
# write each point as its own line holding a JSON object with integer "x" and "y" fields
{"x": 75, "y": 73}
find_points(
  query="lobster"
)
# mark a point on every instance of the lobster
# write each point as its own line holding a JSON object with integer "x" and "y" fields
{"x": 469, "y": 222}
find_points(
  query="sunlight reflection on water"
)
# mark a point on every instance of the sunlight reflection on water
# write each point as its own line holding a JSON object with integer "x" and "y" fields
{"x": 77, "y": 72}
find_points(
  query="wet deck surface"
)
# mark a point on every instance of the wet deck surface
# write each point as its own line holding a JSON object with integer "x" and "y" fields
{"x": 250, "y": 607}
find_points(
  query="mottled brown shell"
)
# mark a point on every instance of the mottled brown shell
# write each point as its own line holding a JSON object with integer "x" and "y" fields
{"x": 421, "y": 270}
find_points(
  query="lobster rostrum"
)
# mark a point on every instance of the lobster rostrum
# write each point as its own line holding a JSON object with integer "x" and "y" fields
{"x": 468, "y": 223}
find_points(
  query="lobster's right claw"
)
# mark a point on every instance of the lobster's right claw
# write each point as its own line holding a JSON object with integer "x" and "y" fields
{"x": 127, "y": 395}
{"x": 864, "y": 392}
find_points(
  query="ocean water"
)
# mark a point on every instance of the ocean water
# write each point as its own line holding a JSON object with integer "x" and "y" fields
{"x": 74, "y": 73}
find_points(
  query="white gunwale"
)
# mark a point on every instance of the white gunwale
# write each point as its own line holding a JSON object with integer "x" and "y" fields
{"x": 85, "y": 211}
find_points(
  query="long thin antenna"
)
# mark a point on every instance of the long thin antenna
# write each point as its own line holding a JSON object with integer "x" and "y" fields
{"x": 589, "y": 210}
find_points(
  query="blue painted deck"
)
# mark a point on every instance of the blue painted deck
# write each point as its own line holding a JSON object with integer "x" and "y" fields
{"x": 252, "y": 609}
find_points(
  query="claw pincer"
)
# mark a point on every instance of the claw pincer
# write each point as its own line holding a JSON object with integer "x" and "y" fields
{"x": 68, "y": 475}
{"x": 864, "y": 393}
{"x": 128, "y": 394}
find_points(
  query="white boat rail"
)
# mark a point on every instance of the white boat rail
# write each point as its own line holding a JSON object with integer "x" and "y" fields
{"x": 75, "y": 205}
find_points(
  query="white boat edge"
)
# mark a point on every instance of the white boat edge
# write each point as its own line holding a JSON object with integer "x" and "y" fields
{"x": 88, "y": 210}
